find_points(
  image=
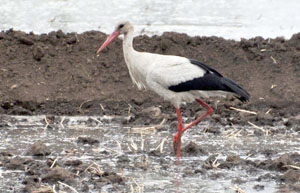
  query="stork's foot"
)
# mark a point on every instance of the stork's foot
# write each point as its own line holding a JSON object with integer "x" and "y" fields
{"x": 177, "y": 143}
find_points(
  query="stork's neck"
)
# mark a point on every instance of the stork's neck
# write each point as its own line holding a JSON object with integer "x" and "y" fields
{"x": 128, "y": 50}
{"x": 135, "y": 65}
{"x": 127, "y": 43}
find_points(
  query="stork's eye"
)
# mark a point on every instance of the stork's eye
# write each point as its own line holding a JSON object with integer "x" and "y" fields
{"x": 121, "y": 26}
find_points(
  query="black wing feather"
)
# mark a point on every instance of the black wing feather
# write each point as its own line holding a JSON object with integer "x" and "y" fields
{"x": 211, "y": 81}
{"x": 205, "y": 67}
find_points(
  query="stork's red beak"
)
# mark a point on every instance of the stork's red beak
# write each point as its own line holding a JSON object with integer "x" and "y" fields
{"x": 109, "y": 40}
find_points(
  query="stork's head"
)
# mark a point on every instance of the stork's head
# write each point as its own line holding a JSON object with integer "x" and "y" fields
{"x": 122, "y": 28}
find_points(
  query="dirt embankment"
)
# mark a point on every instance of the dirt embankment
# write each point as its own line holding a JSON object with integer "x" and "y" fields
{"x": 59, "y": 73}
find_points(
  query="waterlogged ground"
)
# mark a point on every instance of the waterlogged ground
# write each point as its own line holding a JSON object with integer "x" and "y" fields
{"x": 100, "y": 154}
{"x": 59, "y": 74}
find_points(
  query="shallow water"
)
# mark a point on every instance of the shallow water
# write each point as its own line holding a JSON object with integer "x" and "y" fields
{"x": 229, "y": 19}
{"x": 163, "y": 173}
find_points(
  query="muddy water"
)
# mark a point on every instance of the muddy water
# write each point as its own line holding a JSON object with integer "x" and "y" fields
{"x": 220, "y": 160}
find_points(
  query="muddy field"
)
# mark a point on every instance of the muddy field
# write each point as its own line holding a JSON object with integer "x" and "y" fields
{"x": 71, "y": 121}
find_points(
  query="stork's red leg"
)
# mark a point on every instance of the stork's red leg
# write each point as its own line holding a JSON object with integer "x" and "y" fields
{"x": 177, "y": 137}
{"x": 179, "y": 119}
{"x": 209, "y": 111}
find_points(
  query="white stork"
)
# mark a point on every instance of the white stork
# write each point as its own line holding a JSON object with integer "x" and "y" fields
{"x": 177, "y": 79}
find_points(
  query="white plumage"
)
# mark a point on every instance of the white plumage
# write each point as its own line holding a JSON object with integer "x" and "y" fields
{"x": 158, "y": 72}
{"x": 177, "y": 79}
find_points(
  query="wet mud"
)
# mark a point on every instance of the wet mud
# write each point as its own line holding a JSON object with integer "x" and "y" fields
{"x": 96, "y": 154}
{"x": 50, "y": 77}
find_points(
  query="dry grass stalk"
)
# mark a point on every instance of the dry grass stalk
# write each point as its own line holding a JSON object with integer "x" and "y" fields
{"x": 206, "y": 129}
{"x": 133, "y": 145}
{"x": 263, "y": 50}
{"x": 144, "y": 159}
{"x": 44, "y": 189}
{"x": 142, "y": 142}
{"x": 96, "y": 120}
{"x": 243, "y": 110}
{"x": 234, "y": 134}
{"x": 61, "y": 122}
{"x": 292, "y": 166}
{"x": 76, "y": 36}
{"x": 129, "y": 147}
{"x": 268, "y": 111}
{"x": 237, "y": 189}
{"x": 273, "y": 86}
{"x": 148, "y": 130}
{"x": 119, "y": 146}
{"x": 95, "y": 168}
{"x": 161, "y": 145}
{"x": 274, "y": 60}
{"x": 249, "y": 155}
{"x": 13, "y": 86}
{"x": 129, "y": 109}
{"x": 161, "y": 123}
{"x": 146, "y": 162}
{"x": 70, "y": 187}
{"x": 257, "y": 127}
{"x": 265, "y": 131}
{"x": 101, "y": 106}
{"x": 80, "y": 106}
{"x": 142, "y": 185}
{"x": 215, "y": 164}
{"x": 122, "y": 173}
{"x": 138, "y": 188}
{"x": 114, "y": 152}
{"x": 53, "y": 188}
{"x": 145, "y": 130}
{"x": 46, "y": 121}
{"x": 53, "y": 163}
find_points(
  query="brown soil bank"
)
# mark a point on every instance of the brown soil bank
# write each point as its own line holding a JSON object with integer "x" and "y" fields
{"x": 59, "y": 73}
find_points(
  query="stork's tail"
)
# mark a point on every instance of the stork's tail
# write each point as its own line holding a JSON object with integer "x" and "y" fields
{"x": 240, "y": 92}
